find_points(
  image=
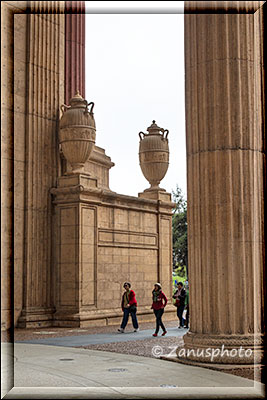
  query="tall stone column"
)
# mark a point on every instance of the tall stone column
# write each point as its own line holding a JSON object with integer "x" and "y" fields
{"x": 225, "y": 159}
{"x": 74, "y": 49}
{"x": 44, "y": 93}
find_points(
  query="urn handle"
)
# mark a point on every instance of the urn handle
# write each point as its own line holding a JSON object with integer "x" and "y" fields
{"x": 92, "y": 104}
{"x": 167, "y": 132}
{"x": 63, "y": 108}
{"x": 141, "y": 133}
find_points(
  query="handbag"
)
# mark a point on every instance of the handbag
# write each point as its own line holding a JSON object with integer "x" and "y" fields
{"x": 177, "y": 303}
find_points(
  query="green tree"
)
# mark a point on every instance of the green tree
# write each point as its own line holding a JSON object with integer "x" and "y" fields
{"x": 179, "y": 230}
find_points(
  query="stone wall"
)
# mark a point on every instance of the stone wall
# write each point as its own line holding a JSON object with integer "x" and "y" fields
{"x": 102, "y": 240}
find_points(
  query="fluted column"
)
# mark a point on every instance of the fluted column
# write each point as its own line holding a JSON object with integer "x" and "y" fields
{"x": 225, "y": 161}
{"x": 74, "y": 49}
{"x": 45, "y": 91}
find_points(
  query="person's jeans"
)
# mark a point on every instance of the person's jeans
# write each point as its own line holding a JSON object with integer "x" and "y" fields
{"x": 187, "y": 316}
{"x": 126, "y": 313}
{"x": 159, "y": 323}
{"x": 180, "y": 310}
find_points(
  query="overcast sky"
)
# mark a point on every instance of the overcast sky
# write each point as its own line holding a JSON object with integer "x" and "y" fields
{"x": 134, "y": 74}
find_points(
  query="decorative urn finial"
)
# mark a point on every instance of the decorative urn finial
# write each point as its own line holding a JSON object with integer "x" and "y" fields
{"x": 77, "y": 132}
{"x": 154, "y": 155}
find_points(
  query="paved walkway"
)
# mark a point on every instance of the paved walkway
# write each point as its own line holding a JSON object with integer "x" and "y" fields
{"x": 54, "y": 369}
{"x": 100, "y": 338}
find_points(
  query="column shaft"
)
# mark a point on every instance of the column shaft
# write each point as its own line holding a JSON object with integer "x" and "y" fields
{"x": 74, "y": 49}
{"x": 45, "y": 66}
{"x": 225, "y": 161}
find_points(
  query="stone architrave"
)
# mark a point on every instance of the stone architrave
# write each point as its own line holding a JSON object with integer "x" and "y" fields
{"x": 225, "y": 177}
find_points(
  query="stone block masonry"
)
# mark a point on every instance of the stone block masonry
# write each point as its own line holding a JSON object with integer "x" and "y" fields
{"x": 104, "y": 239}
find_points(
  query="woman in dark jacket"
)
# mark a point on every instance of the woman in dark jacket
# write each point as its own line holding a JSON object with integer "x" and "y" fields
{"x": 128, "y": 305}
{"x": 179, "y": 297}
{"x": 159, "y": 302}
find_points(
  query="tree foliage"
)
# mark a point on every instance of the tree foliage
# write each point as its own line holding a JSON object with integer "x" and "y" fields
{"x": 179, "y": 229}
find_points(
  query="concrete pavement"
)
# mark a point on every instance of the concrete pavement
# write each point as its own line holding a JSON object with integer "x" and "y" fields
{"x": 51, "y": 372}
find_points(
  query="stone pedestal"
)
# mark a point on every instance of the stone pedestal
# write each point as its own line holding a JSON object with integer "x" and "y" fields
{"x": 155, "y": 195}
{"x": 225, "y": 161}
{"x": 164, "y": 227}
{"x": 101, "y": 240}
{"x": 75, "y": 245}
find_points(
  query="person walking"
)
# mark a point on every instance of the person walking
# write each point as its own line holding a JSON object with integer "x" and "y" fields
{"x": 179, "y": 297}
{"x": 159, "y": 303}
{"x": 186, "y": 304}
{"x": 129, "y": 306}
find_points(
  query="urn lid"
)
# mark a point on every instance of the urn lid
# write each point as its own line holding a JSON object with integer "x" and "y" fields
{"x": 154, "y": 129}
{"x": 78, "y": 101}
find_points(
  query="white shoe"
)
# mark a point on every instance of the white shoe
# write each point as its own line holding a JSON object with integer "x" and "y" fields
{"x": 136, "y": 330}
{"x": 120, "y": 330}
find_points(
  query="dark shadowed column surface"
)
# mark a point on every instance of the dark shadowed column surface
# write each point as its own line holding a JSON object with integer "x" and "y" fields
{"x": 74, "y": 49}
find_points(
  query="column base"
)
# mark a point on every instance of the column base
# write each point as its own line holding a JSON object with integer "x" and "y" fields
{"x": 204, "y": 349}
{"x": 36, "y": 318}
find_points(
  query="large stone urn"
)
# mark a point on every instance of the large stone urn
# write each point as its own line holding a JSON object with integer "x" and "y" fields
{"x": 154, "y": 155}
{"x": 77, "y": 132}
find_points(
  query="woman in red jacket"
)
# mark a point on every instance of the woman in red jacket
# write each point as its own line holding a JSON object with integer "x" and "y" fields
{"x": 158, "y": 305}
{"x": 128, "y": 305}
